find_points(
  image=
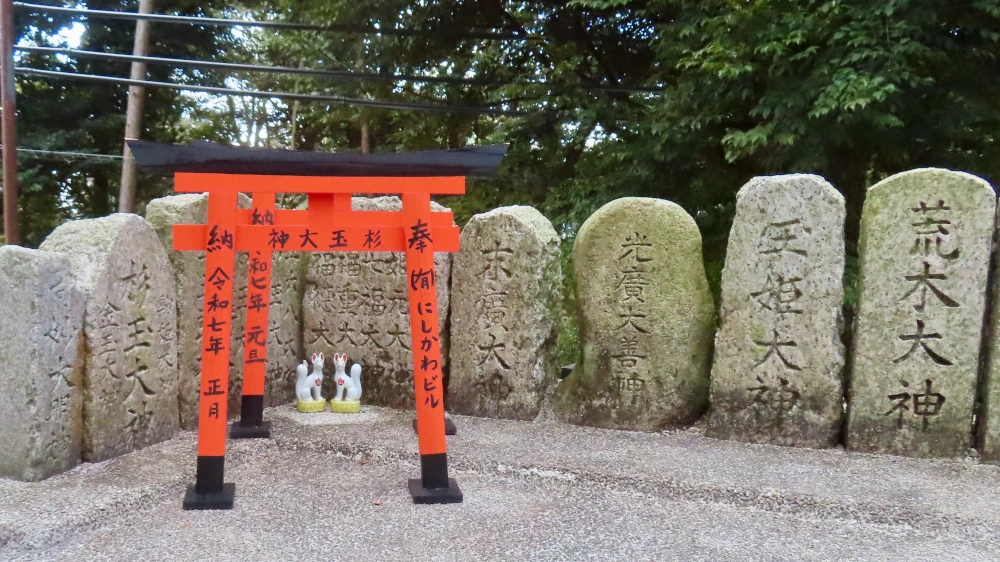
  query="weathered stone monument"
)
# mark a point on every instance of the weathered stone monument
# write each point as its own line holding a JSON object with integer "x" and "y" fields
{"x": 505, "y": 303}
{"x": 356, "y": 303}
{"x": 130, "y": 354}
{"x": 646, "y": 319}
{"x": 41, "y": 422}
{"x": 924, "y": 254}
{"x": 777, "y": 373}
{"x": 284, "y": 336}
{"x": 189, "y": 272}
{"x": 284, "y": 341}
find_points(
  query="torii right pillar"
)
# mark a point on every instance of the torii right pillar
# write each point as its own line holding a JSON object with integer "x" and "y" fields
{"x": 433, "y": 486}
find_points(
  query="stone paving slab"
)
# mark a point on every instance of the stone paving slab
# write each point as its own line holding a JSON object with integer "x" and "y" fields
{"x": 332, "y": 487}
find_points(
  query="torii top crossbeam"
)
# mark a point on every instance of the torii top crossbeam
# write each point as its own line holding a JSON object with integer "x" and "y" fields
{"x": 328, "y": 225}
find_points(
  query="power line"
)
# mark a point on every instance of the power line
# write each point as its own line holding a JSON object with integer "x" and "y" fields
{"x": 291, "y": 26}
{"x": 284, "y": 95}
{"x": 67, "y": 154}
{"x": 345, "y": 74}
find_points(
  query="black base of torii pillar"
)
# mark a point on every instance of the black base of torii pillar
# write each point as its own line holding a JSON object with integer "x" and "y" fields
{"x": 251, "y": 424}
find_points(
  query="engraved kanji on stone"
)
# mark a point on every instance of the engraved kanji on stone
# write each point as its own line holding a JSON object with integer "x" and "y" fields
{"x": 493, "y": 348}
{"x": 918, "y": 338}
{"x": 628, "y": 355}
{"x": 492, "y": 306}
{"x": 783, "y": 398}
{"x": 630, "y": 317}
{"x": 780, "y": 237}
{"x": 633, "y": 246}
{"x": 779, "y": 294}
{"x": 496, "y": 261}
{"x": 773, "y": 347}
{"x": 345, "y": 332}
{"x": 922, "y": 283}
{"x": 632, "y": 284}
{"x": 931, "y": 231}
{"x": 926, "y": 404}
{"x": 400, "y": 336}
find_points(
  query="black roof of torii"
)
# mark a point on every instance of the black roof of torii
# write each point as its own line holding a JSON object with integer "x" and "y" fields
{"x": 206, "y": 157}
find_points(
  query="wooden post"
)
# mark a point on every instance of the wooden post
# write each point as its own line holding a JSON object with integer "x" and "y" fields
{"x": 11, "y": 226}
{"x": 133, "y": 113}
{"x": 433, "y": 486}
{"x": 252, "y": 424}
{"x": 209, "y": 490}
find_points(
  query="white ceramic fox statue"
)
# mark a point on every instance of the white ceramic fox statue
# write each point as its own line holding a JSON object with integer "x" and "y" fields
{"x": 309, "y": 386}
{"x": 351, "y": 386}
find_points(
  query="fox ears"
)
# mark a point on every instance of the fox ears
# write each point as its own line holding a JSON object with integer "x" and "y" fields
{"x": 318, "y": 356}
{"x": 341, "y": 358}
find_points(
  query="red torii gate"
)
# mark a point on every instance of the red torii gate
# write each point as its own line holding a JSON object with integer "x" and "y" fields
{"x": 328, "y": 225}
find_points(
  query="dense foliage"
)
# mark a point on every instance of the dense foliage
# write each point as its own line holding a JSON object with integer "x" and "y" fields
{"x": 848, "y": 89}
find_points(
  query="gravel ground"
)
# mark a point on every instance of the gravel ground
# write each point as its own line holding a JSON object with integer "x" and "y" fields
{"x": 332, "y": 487}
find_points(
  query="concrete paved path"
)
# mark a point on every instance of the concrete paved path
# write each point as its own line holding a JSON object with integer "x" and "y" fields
{"x": 330, "y": 487}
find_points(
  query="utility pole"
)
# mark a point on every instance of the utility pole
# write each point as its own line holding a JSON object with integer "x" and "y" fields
{"x": 133, "y": 114}
{"x": 11, "y": 228}
{"x": 366, "y": 143}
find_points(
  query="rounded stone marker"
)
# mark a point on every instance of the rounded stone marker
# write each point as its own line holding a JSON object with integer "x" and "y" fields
{"x": 777, "y": 371}
{"x": 357, "y": 303}
{"x": 506, "y": 296}
{"x": 924, "y": 254}
{"x": 129, "y": 325}
{"x": 41, "y": 422}
{"x": 646, "y": 319}
{"x": 189, "y": 277}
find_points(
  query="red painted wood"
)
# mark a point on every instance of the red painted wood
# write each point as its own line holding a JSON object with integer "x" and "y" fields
{"x": 421, "y": 283}
{"x": 217, "y": 325}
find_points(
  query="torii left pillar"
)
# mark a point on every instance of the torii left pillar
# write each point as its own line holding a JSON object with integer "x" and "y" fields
{"x": 210, "y": 490}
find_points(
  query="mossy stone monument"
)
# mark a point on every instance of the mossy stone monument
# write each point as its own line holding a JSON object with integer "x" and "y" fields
{"x": 646, "y": 319}
{"x": 777, "y": 372}
{"x": 505, "y": 309}
{"x": 924, "y": 254}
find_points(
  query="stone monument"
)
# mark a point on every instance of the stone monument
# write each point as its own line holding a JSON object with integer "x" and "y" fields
{"x": 777, "y": 376}
{"x": 924, "y": 254}
{"x": 505, "y": 309}
{"x": 41, "y": 421}
{"x": 130, "y": 322}
{"x": 646, "y": 319}
{"x": 356, "y": 303}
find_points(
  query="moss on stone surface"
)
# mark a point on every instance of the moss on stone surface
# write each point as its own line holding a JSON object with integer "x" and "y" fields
{"x": 673, "y": 333}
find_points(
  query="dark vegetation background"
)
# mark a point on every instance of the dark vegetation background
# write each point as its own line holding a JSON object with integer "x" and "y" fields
{"x": 851, "y": 90}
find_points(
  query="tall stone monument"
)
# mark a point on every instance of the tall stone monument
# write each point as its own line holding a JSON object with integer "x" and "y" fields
{"x": 505, "y": 310}
{"x": 646, "y": 319}
{"x": 924, "y": 254}
{"x": 777, "y": 373}
{"x": 130, "y": 330}
{"x": 41, "y": 420}
{"x": 356, "y": 303}
{"x": 189, "y": 276}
